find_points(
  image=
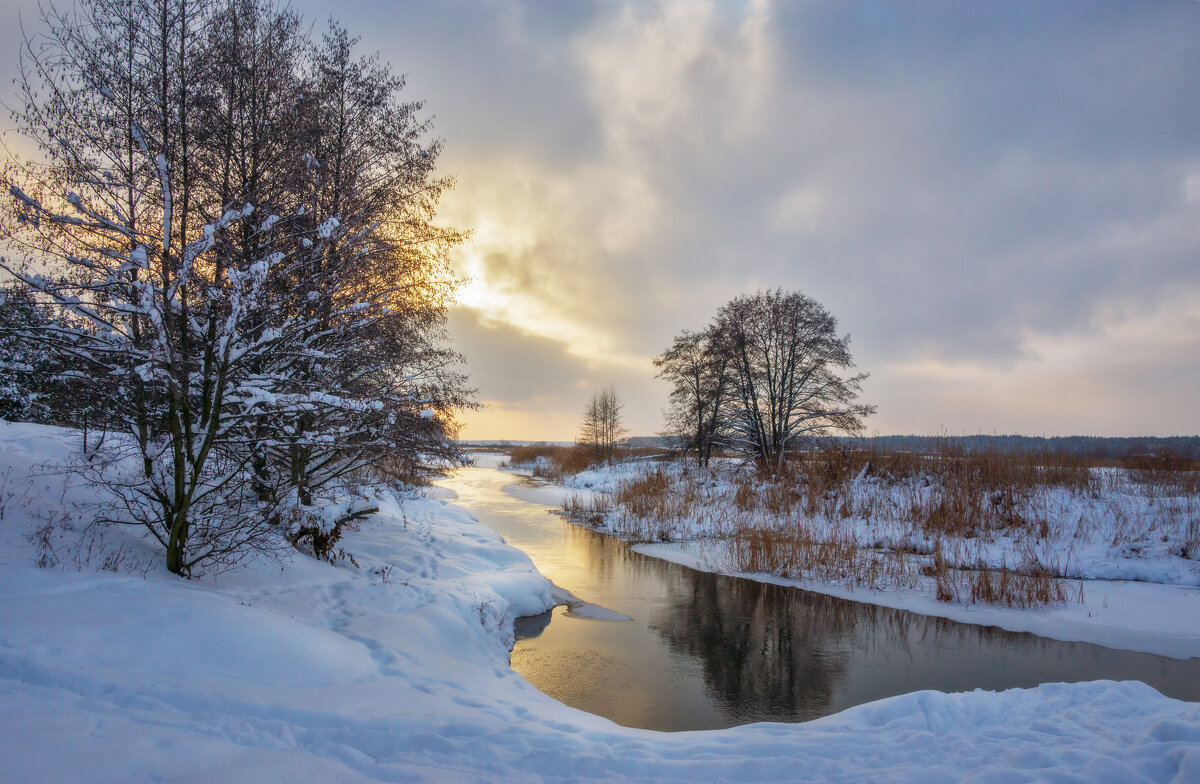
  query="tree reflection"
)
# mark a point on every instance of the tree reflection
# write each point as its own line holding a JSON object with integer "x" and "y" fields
{"x": 775, "y": 652}
{"x": 706, "y": 651}
{"x": 766, "y": 652}
{"x": 772, "y": 652}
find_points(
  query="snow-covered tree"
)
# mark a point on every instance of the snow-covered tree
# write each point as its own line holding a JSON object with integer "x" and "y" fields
{"x": 22, "y": 362}
{"x": 244, "y": 257}
{"x": 375, "y": 281}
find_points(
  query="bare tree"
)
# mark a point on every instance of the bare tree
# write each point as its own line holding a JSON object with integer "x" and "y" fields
{"x": 602, "y": 426}
{"x": 786, "y": 363}
{"x": 701, "y": 388}
{"x": 376, "y": 282}
{"x": 241, "y": 258}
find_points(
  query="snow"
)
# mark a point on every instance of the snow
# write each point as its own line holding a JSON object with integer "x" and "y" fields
{"x": 397, "y": 670}
{"x": 327, "y": 228}
{"x": 1140, "y": 597}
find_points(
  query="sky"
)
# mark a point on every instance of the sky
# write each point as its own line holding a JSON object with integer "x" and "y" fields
{"x": 999, "y": 201}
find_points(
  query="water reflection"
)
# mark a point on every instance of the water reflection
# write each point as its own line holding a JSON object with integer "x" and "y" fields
{"x": 706, "y": 651}
{"x": 771, "y": 652}
{"x": 764, "y": 656}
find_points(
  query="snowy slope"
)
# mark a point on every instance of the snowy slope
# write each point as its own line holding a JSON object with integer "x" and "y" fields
{"x": 316, "y": 673}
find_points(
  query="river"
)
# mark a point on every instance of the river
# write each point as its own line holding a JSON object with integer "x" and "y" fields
{"x": 694, "y": 650}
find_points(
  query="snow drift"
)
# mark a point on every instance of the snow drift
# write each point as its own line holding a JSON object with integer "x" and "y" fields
{"x": 396, "y": 670}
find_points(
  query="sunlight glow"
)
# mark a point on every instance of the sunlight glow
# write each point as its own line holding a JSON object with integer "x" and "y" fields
{"x": 501, "y": 303}
{"x": 497, "y": 421}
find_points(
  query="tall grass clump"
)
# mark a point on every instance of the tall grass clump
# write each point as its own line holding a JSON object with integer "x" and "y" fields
{"x": 661, "y": 503}
{"x": 555, "y": 463}
{"x": 801, "y": 552}
{"x": 1032, "y": 585}
{"x": 1166, "y": 472}
{"x": 590, "y": 509}
{"x": 550, "y": 462}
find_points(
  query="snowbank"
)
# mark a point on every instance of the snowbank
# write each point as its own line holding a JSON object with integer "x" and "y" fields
{"x": 397, "y": 671}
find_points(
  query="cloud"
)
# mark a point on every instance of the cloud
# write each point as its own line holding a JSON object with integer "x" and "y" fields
{"x": 534, "y": 388}
{"x": 1136, "y": 372}
{"x": 999, "y": 201}
{"x": 961, "y": 189}
{"x": 514, "y": 366}
{"x": 553, "y": 250}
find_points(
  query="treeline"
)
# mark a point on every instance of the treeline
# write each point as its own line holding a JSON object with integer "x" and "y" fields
{"x": 1088, "y": 447}
{"x": 1085, "y": 447}
{"x": 227, "y": 256}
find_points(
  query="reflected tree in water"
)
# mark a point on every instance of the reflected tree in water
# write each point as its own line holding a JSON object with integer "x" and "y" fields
{"x": 706, "y": 650}
{"x": 764, "y": 652}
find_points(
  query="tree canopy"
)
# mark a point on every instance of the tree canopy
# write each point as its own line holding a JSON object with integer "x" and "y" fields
{"x": 232, "y": 230}
{"x": 769, "y": 373}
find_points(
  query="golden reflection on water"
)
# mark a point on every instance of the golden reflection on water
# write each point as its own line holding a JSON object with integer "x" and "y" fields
{"x": 707, "y": 651}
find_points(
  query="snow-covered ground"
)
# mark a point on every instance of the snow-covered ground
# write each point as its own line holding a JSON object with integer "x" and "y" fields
{"x": 397, "y": 670}
{"x": 1157, "y": 611}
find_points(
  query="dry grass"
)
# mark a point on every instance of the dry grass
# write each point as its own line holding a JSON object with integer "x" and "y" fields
{"x": 1030, "y": 585}
{"x": 591, "y": 509}
{"x": 656, "y": 506}
{"x": 840, "y": 559}
{"x": 971, "y": 493}
{"x": 646, "y": 497}
{"x": 551, "y": 463}
{"x": 1017, "y": 589}
{"x": 872, "y": 518}
{"x": 1168, "y": 472}
{"x": 554, "y": 463}
{"x": 1191, "y": 547}
{"x": 802, "y": 553}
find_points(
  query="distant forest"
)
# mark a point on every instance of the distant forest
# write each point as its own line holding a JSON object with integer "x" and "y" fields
{"x": 1099, "y": 447}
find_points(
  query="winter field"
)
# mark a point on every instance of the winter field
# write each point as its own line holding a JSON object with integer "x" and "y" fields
{"x": 1104, "y": 555}
{"x": 396, "y": 669}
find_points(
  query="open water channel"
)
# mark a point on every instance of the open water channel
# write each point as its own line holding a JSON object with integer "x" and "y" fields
{"x": 704, "y": 651}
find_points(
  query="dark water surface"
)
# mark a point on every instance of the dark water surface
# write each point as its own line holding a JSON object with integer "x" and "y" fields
{"x": 704, "y": 651}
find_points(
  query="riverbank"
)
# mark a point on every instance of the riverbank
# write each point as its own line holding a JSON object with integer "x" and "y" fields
{"x": 1158, "y": 613}
{"x": 396, "y": 669}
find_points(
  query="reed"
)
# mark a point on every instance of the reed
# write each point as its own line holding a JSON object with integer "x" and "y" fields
{"x": 552, "y": 463}
{"x": 804, "y": 553}
{"x": 893, "y": 519}
{"x": 588, "y": 509}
